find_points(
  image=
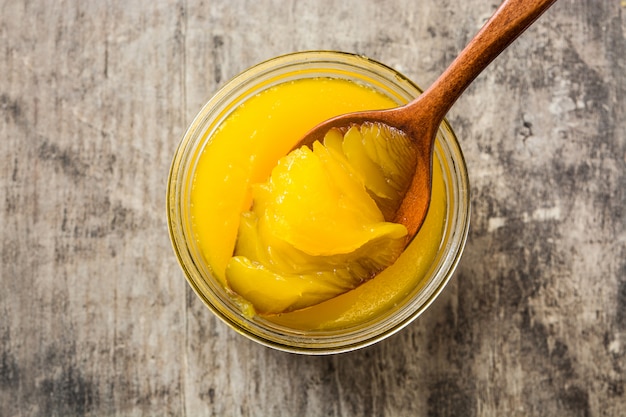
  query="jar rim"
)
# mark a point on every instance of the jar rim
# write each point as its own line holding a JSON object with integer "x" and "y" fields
{"x": 215, "y": 110}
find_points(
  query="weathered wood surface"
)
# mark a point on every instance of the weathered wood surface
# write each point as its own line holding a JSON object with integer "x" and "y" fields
{"x": 95, "y": 315}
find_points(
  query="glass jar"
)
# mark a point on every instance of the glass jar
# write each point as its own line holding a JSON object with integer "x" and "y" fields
{"x": 280, "y": 334}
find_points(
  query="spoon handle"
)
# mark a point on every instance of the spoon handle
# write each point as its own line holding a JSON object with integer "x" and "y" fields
{"x": 511, "y": 19}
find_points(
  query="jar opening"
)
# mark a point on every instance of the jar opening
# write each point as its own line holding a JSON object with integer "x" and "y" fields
{"x": 293, "y": 332}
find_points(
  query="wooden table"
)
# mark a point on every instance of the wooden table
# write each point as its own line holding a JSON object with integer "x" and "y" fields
{"x": 97, "y": 319}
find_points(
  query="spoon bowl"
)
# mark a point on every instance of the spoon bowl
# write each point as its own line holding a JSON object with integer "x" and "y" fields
{"x": 419, "y": 120}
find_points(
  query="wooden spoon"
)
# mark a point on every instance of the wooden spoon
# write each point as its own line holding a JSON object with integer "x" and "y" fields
{"x": 420, "y": 119}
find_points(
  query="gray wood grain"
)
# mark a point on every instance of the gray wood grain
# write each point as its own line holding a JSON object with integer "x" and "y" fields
{"x": 96, "y": 318}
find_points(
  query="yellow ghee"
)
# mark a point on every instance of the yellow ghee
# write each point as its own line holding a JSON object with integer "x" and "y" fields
{"x": 316, "y": 229}
{"x": 244, "y": 150}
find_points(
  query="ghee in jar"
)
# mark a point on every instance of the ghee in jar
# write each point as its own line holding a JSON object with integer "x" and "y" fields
{"x": 243, "y": 152}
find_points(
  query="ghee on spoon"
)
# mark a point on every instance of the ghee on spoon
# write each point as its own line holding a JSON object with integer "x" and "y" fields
{"x": 419, "y": 120}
